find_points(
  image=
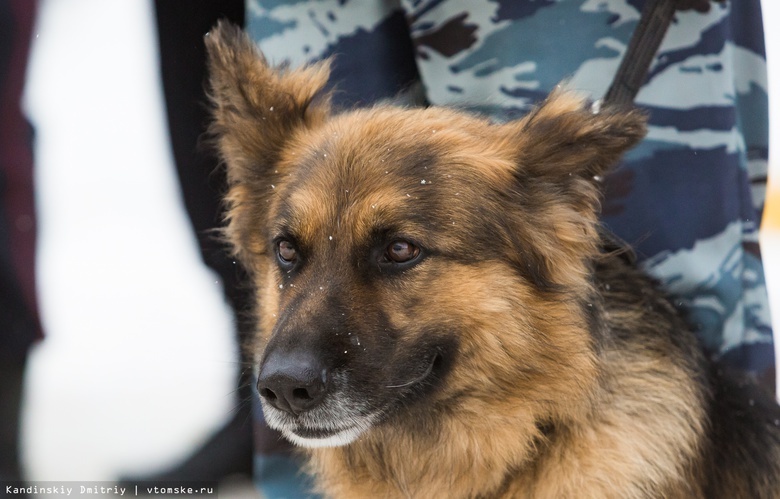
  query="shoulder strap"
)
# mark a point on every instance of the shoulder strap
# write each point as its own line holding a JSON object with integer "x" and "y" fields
{"x": 644, "y": 43}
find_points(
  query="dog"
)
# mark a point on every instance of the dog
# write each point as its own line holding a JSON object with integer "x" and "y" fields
{"x": 440, "y": 314}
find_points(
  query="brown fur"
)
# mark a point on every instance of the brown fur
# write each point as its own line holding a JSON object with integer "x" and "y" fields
{"x": 520, "y": 356}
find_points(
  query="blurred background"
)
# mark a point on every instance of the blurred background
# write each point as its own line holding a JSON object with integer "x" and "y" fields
{"x": 138, "y": 365}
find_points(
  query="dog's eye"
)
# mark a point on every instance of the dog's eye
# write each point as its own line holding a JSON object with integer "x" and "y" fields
{"x": 401, "y": 252}
{"x": 286, "y": 251}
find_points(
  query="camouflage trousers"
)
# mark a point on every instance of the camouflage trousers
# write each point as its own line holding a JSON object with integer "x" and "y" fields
{"x": 688, "y": 199}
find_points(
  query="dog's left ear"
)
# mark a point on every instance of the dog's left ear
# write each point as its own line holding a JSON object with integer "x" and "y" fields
{"x": 559, "y": 150}
{"x": 564, "y": 139}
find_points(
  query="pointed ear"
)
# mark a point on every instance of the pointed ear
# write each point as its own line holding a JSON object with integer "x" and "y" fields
{"x": 558, "y": 150}
{"x": 564, "y": 138}
{"x": 256, "y": 107}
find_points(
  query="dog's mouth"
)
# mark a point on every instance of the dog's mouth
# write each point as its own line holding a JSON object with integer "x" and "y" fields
{"x": 346, "y": 415}
{"x": 318, "y": 437}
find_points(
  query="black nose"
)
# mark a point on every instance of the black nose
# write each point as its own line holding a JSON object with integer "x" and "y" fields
{"x": 292, "y": 382}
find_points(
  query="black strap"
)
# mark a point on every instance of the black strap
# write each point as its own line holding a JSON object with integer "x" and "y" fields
{"x": 656, "y": 17}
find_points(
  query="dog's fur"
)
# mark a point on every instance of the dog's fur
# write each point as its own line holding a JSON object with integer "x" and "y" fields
{"x": 518, "y": 354}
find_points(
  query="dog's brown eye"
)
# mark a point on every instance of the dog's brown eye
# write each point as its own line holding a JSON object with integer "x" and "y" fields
{"x": 287, "y": 252}
{"x": 402, "y": 251}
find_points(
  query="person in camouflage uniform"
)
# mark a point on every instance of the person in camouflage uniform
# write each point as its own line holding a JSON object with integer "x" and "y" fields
{"x": 688, "y": 199}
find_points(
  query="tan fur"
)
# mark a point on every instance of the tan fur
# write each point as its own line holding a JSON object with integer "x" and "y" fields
{"x": 557, "y": 387}
{"x": 627, "y": 448}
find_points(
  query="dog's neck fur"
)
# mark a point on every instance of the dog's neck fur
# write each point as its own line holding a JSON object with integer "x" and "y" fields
{"x": 474, "y": 464}
{"x": 505, "y": 465}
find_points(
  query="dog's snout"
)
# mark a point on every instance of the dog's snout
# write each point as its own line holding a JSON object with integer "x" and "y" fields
{"x": 292, "y": 383}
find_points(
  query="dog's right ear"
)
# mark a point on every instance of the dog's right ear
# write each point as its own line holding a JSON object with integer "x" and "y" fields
{"x": 256, "y": 107}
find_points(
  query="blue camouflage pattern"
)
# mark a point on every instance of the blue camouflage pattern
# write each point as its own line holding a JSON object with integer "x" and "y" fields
{"x": 688, "y": 199}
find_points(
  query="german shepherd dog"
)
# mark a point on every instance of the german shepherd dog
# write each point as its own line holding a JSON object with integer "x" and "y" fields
{"x": 441, "y": 315}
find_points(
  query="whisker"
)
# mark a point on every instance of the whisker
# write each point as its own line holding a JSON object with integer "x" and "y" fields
{"x": 419, "y": 378}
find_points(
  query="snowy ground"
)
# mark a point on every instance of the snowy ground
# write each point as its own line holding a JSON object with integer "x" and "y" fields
{"x": 138, "y": 364}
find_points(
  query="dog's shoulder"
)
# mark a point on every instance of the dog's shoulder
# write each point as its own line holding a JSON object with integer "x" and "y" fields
{"x": 737, "y": 442}
{"x": 744, "y": 447}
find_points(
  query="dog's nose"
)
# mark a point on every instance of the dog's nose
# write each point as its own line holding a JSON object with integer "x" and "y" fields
{"x": 292, "y": 382}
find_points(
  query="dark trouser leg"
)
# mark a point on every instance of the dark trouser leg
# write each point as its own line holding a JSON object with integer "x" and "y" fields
{"x": 11, "y": 382}
{"x": 181, "y": 27}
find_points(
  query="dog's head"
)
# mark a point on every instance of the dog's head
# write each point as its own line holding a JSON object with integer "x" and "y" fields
{"x": 409, "y": 259}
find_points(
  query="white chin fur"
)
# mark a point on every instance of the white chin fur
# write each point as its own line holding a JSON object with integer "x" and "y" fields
{"x": 343, "y": 437}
